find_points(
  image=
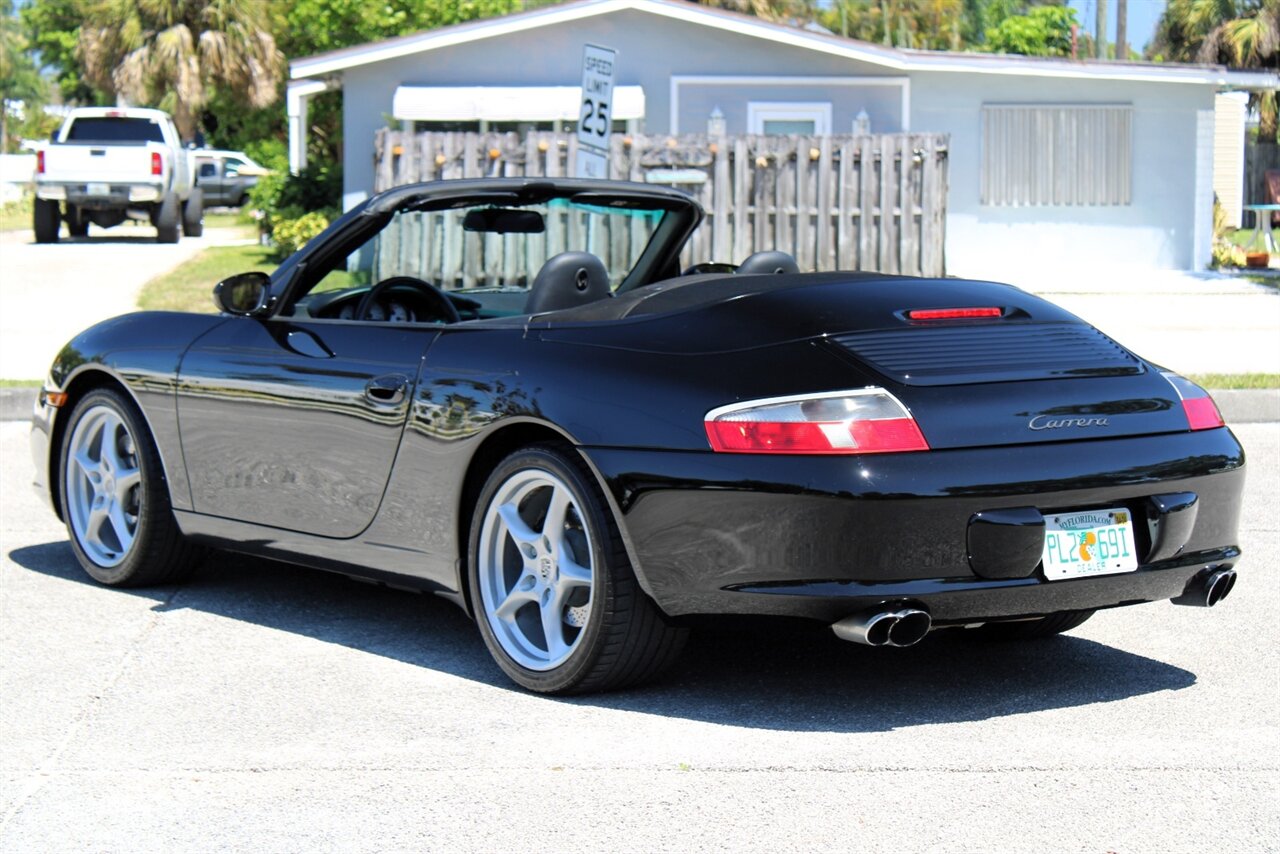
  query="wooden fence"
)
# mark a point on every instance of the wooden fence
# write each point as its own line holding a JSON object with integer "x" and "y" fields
{"x": 1260, "y": 158}
{"x": 834, "y": 202}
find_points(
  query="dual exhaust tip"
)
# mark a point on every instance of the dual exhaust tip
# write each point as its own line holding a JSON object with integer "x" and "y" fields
{"x": 904, "y": 627}
{"x": 908, "y": 626}
{"x": 1207, "y": 588}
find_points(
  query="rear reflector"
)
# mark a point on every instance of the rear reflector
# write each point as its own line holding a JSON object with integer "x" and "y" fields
{"x": 157, "y": 166}
{"x": 953, "y": 313}
{"x": 39, "y": 162}
{"x": 862, "y": 421}
{"x": 1202, "y": 413}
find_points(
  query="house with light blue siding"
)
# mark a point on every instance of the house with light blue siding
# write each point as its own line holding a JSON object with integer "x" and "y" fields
{"x": 1053, "y": 162}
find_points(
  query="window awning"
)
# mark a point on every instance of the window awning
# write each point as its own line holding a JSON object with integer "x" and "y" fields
{"x": 506, "y": 103}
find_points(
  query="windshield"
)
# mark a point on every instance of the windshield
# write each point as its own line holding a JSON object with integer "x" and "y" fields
{"x": 113, "y": 129}
{"x": 435, "y": 246}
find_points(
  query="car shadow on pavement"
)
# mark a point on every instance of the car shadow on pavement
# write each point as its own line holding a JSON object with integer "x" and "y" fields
{"x": 755, "y": 673}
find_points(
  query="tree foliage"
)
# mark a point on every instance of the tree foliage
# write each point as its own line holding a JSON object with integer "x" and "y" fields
{"x": 1043, "y": 31}
{"x": 174, "y": 54}
{"x": 1237, "y": 33}
{"x": 22, "y": 89}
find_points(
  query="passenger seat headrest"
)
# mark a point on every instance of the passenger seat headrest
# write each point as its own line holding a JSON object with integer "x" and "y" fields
{"x": 768, "y": 263}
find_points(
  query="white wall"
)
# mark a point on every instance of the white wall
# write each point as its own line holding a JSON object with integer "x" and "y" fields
{"x": 1156, "y": 231}
{"x": 15, "y": 175}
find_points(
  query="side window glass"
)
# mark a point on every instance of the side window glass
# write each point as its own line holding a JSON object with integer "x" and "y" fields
{"x": 208, "y": 170}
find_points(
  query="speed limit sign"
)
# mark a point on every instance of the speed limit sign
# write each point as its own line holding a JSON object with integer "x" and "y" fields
{"x": 595, "y": 118}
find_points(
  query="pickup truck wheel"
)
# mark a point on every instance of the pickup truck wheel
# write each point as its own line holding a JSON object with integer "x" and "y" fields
{"x": 193, "y": 214}
{"x": 45, "y": 220}
{"x": 77, "y": 225}
{"x": 167, "y": 220}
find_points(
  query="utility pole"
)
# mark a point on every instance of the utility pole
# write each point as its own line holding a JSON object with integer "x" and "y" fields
{"x": 1122, "y": 21}
{"x": 1100, "y": 33}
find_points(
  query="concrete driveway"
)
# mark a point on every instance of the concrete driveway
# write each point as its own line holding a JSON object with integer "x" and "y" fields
{"x": 49, "y": 292}
{"x": 1188, "y": 322}
{"x": 268, "y": 708}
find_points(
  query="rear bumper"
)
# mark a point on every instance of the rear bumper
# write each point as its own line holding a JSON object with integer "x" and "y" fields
{"x": 119, "y": 195}
{"x": 824, "y": 537}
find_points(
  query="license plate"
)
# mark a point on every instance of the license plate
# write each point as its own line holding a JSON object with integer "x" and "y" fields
{"x": 98, "y": 189}
{"x": 1091, "y": 542}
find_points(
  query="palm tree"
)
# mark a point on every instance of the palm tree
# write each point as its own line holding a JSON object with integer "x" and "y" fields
{"x": 19, "y": 78}
{"x": 1251, "y": 41}
{"x": 172, "y": 53}
{"x": 1238, "y": 33}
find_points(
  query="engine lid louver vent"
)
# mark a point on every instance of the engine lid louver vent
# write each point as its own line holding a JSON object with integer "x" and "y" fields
{"x": 955, "y": 355}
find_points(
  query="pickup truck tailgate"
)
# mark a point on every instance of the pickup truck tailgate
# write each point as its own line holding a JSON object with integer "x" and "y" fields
{"x": 85, "y": 162}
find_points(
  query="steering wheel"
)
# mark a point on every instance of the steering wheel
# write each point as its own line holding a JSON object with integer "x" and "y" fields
{"x": 442, "y": 305}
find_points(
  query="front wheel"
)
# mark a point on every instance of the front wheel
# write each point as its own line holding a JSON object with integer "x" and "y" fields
{"x": 193, "y": 214}
{"x": 166, "y": 219}
{"x": 555, "y": 597}
{"x": 115, "y": 500}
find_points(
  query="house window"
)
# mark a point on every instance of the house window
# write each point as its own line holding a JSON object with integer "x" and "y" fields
{"x": 1057, "y": 154}
{"x": 779, "y": 117}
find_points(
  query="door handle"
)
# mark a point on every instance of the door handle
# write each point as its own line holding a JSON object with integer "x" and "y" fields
{"x": 389, "y": 388}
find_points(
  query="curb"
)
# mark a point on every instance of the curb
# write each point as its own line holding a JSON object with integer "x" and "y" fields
{"x": 1238, "y": 406}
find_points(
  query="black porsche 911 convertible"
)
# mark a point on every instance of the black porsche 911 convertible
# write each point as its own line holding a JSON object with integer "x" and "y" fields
{"x": 507, "y": 392}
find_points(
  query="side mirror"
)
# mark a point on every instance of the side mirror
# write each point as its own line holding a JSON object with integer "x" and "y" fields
{"x": 246, "y": 294}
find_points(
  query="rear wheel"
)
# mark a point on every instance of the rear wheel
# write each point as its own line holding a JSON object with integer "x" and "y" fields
{"x": 193, "y": 214}
{"x": 77, "y": 224}
{"x": 167, "y": 219}
{"x": 1054, "y": 624}
{"x": 115, "y": 499}
{"x": 45, "y": 220}
{"x": 555, "y": 597}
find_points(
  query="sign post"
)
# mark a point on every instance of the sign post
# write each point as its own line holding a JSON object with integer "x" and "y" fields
{"x": 595, "y": 119}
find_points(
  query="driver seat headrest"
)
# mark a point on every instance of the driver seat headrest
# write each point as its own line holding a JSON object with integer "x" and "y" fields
{"x": 567, "y": 280}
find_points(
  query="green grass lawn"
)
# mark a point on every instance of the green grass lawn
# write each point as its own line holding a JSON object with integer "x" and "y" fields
{"x": 1241, "y": 237}
{"x": 190, "y": 286}
{"x": 1235, "y": 381}
{"x": 15, "y": 216}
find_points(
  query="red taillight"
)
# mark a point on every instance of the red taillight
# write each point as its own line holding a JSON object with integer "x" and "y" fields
{"x": 39, "y": 162}
{"x": 953, "y": 313}
{"x": 157, "y": 165}
{"x": 1202, "y": 413}
{"x": 864, "y": 421}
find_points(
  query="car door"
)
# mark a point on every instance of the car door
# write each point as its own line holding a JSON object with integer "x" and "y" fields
{"x": 209, "y": 179}
{"x": 296, "y": 423}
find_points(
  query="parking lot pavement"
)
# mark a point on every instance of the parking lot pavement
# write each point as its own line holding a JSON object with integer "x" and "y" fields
{"x": 269, "y": 707}
{"x": 50, "y": 292}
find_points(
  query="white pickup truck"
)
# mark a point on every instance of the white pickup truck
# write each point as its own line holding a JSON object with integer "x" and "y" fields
{"x": 109, "y": 164}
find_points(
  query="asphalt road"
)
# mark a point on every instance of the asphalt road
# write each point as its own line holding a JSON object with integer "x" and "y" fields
{"x": 268, "y": 708}
{"x": 50, "y": 292}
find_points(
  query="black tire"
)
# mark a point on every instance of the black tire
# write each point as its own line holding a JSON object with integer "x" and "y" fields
{"x": 1054, "y": 624}
{"x": 193, "y": 214}
{"x": 77, "y": 225}
{"x": 623, "y": 638}
{"x": 167, "y": 217}
{"x": 157, "y": 552}
{"x": 45, "y": 221}
{"x": 244, "y": 200}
